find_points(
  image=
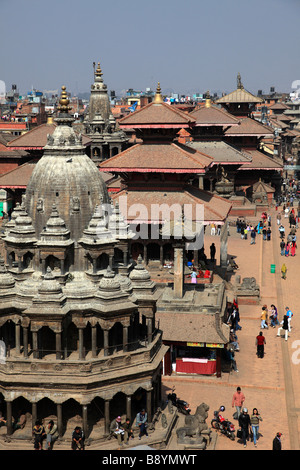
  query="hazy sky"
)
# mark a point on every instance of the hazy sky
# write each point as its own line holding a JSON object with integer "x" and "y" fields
{"x": 187, "y": 45}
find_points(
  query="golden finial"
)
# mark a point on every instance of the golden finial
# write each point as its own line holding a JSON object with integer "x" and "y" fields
{"x": 207, "y": 100}
{"x": 98, "y": 72}
{"x": 64, "y": 101}
{"x": 158, "y": 96}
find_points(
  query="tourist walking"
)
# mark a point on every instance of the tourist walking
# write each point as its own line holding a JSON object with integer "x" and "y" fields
{"x": 238, "y": 399}
{"x": 245, "y": 425}
{"x": 293, "y": 248}
{"x": 284, "y": 327}
{"x": 254, "y": 420}
{"x": 283, "y": 271}
{"x": 289, "y": 314}
{"x": 282, "y": 247}
{"x": 260, "y": 344}
{"x": 287, "y": 249}
{"x": 264, "y": 317}
{"x": 274, "y": 316}
{"x": 252, "y": 236}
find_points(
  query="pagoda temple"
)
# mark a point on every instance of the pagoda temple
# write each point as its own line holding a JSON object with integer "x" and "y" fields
{"x": 156, "y": 174}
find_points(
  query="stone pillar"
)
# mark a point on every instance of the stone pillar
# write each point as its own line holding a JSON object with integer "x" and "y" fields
{"x": 25, "y": 341}
{"x": 81, "y": 353}
{"x": 18, "y": 336}
{"x": 94, "y": 341}
{"x": 161, "y": 255}
{"x": 35, "y": 344}
{"x": 106, "y": 345}
{"x": 125, "y": 338}
{"x": 19, "y": 263}
{"x": 43, "y": 266}
{"x": 106, "y": 417}
{"x": 149, "y": 405}
{"x": 84, "y": 419}
{"x": 9, "y": 418}
{"x": 145, "y": 255}
{"x": 111, "y": 258}
{"x": 224, "y": 245}
{"x": 128, "y": 406}
{"x": 58, "y": 345}
{"x": 34, "y": 413}
{"x": 149, "y": 329}
{"x": 178, "y": 272}
{"x": 59, "y": 419}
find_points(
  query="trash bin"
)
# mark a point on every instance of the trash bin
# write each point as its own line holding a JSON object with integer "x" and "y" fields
{"x": 273, "y": 268}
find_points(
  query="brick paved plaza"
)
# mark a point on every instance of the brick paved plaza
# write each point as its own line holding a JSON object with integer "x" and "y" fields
{"x": 270, "y": 384}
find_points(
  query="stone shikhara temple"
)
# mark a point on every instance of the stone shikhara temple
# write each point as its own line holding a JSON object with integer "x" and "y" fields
{"x": 77, "y": 319}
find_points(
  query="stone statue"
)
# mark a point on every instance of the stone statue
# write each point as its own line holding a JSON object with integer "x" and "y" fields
{"x": 196, "y": 431}
{"x": 75, "y": 204}
{"x": 40, "y": 205}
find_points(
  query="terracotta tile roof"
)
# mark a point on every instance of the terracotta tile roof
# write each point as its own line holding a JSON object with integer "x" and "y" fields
{"x": 250, "y": 127}
{"x": 213, "y": 116}
{"x": 260, "y": 161}
{"x": 279, "y": 105}
{"x": 240, "y": 95}
{"x": 167, "y": 158}
{"x": 156, "y": 115}
{"x": 216, "y": 209}
{"x": 37, "y": 138}
{"x": 17, "y": 178}
{"x": 192, "y": 327}
{"x": 221, "y": 152}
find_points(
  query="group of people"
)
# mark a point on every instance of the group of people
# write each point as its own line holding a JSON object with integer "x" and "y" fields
{"x": 249, "y": 423}
{"x": 41, "y": 432}
{"x": 263, "y": 227}
{"x": 123, "y": 431}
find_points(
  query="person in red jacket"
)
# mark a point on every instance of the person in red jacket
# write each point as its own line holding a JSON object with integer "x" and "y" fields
{"x": 260, "y": 344}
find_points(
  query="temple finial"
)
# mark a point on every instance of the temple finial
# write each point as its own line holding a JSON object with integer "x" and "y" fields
{"x": 98, "y": 72}
{"x": 64, "y": 101}
{"x": 239, "y": 81}
{"x": 158, "y": 96}
{"x": 207, "y": 100}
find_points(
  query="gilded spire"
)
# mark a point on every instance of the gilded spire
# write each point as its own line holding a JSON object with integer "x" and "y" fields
{"x": 64, "y": 101}
{"x": 158, "y": 96}
{"x": 207, "y": 100}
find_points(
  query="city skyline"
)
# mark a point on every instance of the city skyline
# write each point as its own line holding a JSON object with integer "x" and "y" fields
{"x": 202, "y": 47}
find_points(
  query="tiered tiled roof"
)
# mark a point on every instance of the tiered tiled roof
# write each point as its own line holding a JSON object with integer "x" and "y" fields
{"x": 160, "y": 157}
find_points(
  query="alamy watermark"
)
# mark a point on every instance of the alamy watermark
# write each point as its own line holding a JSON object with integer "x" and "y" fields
{"x": 155, "y": 221}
